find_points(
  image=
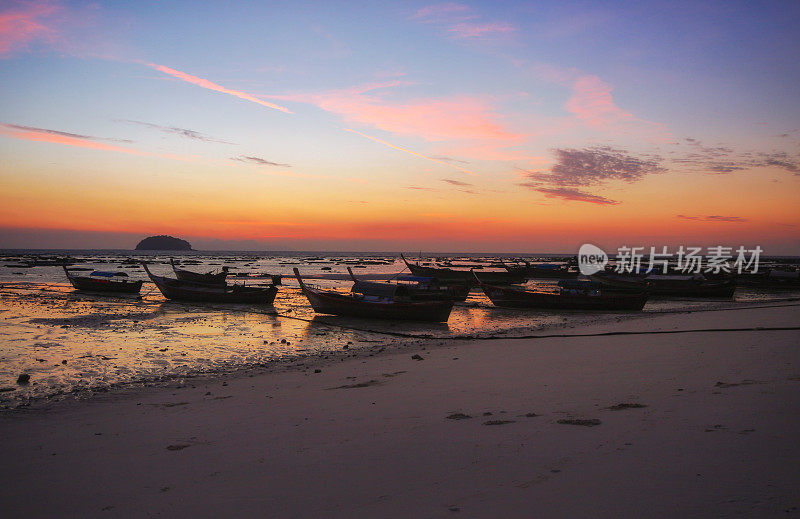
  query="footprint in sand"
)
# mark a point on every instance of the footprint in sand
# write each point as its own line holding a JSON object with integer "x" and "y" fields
{"x": 458, "y": 416}
{"x": 498, "y": 422}
{"x": 586, "y": 422}
{"x": 620, "y": 407}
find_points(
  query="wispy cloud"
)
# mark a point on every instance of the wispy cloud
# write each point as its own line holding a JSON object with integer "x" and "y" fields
{"x": 720, "y": 159}
{"x": 594, "y": 166}
{"x": 213, "y": 86}
{"x": 711, "y": 159}
{"x": 183, "y": 132}
{"x": 456, "y": 182}
{"x": 455, "y": 118}
{"x": 593, "y": 105}
{"x": 461, "y": 22}
{"x": 444, "y": 12}
{"x": 780, "y": 159}
{"x": 713, "y": 218}
{"x": 570, "y": 194}
{"x": 25, "y": 23}
{"x": 30, "y": 133}
{"x": 258, "y": 161}
{"x": 464, "y": 119}
{"x": 449, "y": 159}
{"x": 408, "y": 151}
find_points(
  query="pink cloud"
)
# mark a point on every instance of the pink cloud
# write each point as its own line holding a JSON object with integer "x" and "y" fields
{"x": 459, "y": 21}
{"x": 459, "y": 118}
{"x": 443, "y": 12}
{"x": 213, "y": 86}
{"x": 593, "y": 105}
{"x": 24, "y": 24}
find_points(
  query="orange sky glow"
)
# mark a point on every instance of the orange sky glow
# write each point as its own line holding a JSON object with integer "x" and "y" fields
{"x": 485, "y": 135}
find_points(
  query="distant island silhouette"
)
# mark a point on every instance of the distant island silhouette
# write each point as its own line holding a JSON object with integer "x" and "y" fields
{"x": 163, "y": 242}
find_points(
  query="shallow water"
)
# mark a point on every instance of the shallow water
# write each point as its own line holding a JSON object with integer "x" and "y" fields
{"x": 77, "y": 343}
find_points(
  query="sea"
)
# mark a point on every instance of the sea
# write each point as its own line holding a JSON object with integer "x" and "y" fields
{"x": 76, "y": 345}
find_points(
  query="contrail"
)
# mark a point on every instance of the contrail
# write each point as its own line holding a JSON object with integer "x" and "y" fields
{"x": 409, "y": 151}
{"x": 213, "y": 86}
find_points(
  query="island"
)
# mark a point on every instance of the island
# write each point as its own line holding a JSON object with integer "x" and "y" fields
{"x": 163, "y": 242}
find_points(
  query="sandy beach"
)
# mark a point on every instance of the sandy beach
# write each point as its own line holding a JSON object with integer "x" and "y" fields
{"x": 695, "y": 424}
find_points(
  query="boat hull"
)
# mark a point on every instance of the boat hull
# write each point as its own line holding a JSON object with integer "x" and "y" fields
{"x": 724, "y": 288}
{"x": 327, "y": 302}
{"x": 105, "y": 285}
{"x": 178, "y": 290}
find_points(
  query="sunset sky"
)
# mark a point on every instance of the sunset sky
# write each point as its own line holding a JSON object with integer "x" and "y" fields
{"x": 529, "y": 126}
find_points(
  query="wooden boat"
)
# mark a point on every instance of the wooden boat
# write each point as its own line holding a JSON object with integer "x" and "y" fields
{"x": 446, "y": 275}
{"x": 669, "y": 284}
{"x": 543, "y": 270}
{"x": 374, "y": 300}
{"x": 208, "y": 277}
{"x": 690, "y": 286}
{"x": 576, "y": 295}
{"x": 771, "y": 279}
{"x": 419, "y": 288}
{"x": 212, "y": 293}
{"x": 99, "y": 281}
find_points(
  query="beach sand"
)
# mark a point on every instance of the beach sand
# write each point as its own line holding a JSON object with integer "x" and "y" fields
{"x": 701, "y": 424}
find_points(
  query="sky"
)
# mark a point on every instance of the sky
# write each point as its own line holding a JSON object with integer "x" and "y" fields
{"x": 388, "y": 126}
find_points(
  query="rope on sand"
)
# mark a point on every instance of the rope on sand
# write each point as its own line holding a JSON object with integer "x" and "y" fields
{"x": 653, "y": 332}
{"x": 545, "y": 336}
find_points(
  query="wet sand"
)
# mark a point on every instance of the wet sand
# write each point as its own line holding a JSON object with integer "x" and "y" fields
{"x": 78, "y": 344}
{"x": 699, "y": 424}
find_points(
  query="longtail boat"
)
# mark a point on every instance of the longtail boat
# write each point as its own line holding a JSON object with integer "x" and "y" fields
{"x": 212, "y": 293}
{"x": 771, "y": 279}
{"x": 445, "y": 275}
{"x": 419, "y": 288}
{"x": 374, "y": 300}
{"x": 690, "y": 286}
{"x": 574, "y": 295}
{"x": 100, "y": 281}
{"x": 208, "y": 277}
{"x": 695, "y": 286}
